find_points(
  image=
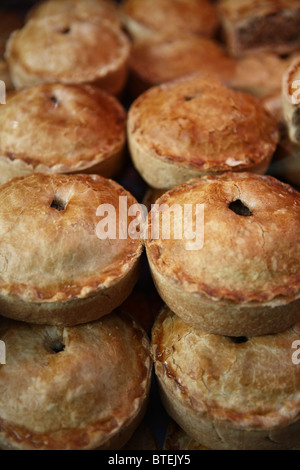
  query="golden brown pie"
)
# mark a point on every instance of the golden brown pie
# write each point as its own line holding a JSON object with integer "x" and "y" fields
{"x": 79, "y": 128}
{"x": 85, "y": 9}
{"x": 65, "y": 48}
{"x": 235, "y": 270}
{"x": 195, "y": 126}
{"x": 57, "y": 267}
{"x": 162, "y": 57}
{"x": 291, "y": 100}
{"x": 229, "y": 393}
{"x": 75, "y": 388}
{"x": 143, "y": 18}
{"x": 252, "y": 26}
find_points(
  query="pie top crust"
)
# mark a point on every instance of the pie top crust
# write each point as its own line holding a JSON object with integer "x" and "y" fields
{"x": 78, "y": 127}
{"x": 194, "y": 16}
{"x": 162, "y": 57}
{"x": 71, "y": 388}
{"x": 240, "y": 10}
{"x": 49, "y": 247}
{"x": 84, "y": 9}
{"x": 250, "y": 258}
{"x": 250, "y": 382}
{"x": 198, "y": 123}
{"x": 64, "y": 48}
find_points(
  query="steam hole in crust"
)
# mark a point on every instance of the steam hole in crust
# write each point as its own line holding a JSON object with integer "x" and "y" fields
{"x": 239, "y": 208}
{"x": 57, "y": 347}
{"x": 239, "y": 339}
{"x": 66, "y": 30}
{"x": 189, "y": 98}
{"x": 54, "y": 100}
{"x": 58, "y": 204}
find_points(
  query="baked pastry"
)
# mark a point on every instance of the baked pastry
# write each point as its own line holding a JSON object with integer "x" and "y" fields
{"x": 64, "y": 48}
{"x": 260, "y": 74}
{"x": 80, "y": 128}
{"x": 193, "y": 16}
{"x": 195, "y": 126}
{"x": 85, "y": 9}
{"x": 71, "y": 272}
{"x": 162, "y": 57}
{"x": 235, "y": 270}
{"x": 252, "y": 26}
{"x": 229, "y": 393}
{"x": 75, "y": 388}
{"x": 291, "y": 99}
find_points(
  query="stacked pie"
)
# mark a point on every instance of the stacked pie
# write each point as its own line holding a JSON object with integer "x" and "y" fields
{"x": 61, "y": 280}
{"x": 223, "y": 345}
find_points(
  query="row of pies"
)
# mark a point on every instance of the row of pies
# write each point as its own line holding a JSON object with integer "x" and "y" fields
{"x": 78, "y": 368}
{"x": 222, "y": 381}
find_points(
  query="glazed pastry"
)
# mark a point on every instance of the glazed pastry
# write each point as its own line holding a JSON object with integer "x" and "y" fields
{"x": 56, "y": 266}
{"x": 64, "y": 48}
{"x": 80, "y": 128}
{"x": 74, "y": 388}
{"x": 291, "y": 100}
{"x": 240, "y": 276}
{"x": 229, "y": 393}
{"x": 84, "y": 9}
{"x": 160, "y": 58}
{"x": 195, "y": 126}
{"x": 252, "y": 26}
{"x": 144, "y": 18}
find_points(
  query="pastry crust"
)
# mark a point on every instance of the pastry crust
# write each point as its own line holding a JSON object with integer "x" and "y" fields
{"x": 291, "y": 99}
{"x": 68, "y": 388}
{"x": 64, "y": 48}
{"x": 68, "y": 275}
{"x": 177, "y": 439}
{"x": 192, "y": 16}
{"x": 245, "y": 280}
{"x": 80, "y": 128}
{"x": 195, "y": 126}
{"x": 260, "y": 74}
{"x": 162, "y": 57}
{"x": 84, "y": 9}
{"x": 252, "y": 26}
{"x": 228, "y": 394}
